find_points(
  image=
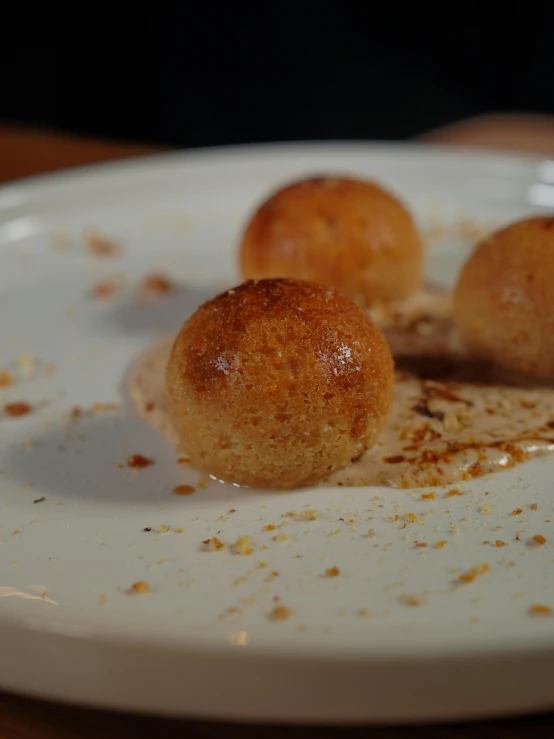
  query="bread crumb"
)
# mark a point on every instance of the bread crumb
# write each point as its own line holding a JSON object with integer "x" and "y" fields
{"x": 428, "y": 496}
{"x": 106, "y": 289}
{"x": 140, "y": 587}
{"x": 441, "y": 544}
{"x": 455, "y": 492}
{"x": 156, "y": 284}
{"x": 538, "y": 539}
{"x": 516, "y": 512}
{"x": 232, "y": 610}
{"x": 539, "y": 610}
{"x": 184, "y": 490}
{"x": 164, "y": 528}
{"x": 17, "y": 409}
{"x": 410, "y": 517}
{"x": 138, "y": 461}
{"x": 371, "y": 533}
{"x": 470, "y": 575}
{"x": 281, "y": 613}
{"x": 98, "y": 408}
{"x": 365, "y": 613}
{"x": 309, "y": 515}
{"x": 332, "y": 572}
{"x": 6, "y": 379}
{"x": 410, "y": 600}
{"x": 101, "y": 246}
{"x": 243, "y": 545}
{"x": 269, "y": 527}
{"x": 214, "y": 544}
{"x": 500, "y": 543}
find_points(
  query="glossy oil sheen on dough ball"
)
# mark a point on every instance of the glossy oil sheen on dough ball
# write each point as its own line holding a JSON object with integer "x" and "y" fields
{"x": 278, "y": 383}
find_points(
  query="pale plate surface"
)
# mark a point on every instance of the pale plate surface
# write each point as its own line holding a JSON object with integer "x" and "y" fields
{"x": 201, "y": 642}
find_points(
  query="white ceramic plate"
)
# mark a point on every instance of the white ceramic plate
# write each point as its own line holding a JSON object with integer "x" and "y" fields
{"x": 200, "y": 643}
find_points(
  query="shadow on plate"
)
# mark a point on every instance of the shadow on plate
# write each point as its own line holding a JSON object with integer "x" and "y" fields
{"x": 87, "y": 460}
{"x": 158, "y": 314}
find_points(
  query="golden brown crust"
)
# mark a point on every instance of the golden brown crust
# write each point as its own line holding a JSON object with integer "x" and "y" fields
{"x": 278, "y": 383}
{"x": 504, "y": 299}
{"x": 336, "y": 231}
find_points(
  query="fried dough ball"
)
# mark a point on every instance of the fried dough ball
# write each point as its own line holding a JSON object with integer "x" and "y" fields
{"x": 504, "y": 299}
{"x": 336, "y": 231}
{"x": 278, "y": 383}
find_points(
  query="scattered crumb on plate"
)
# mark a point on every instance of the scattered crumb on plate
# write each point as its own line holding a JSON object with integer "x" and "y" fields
{"x": 470, "y": 575}
{"x": 139, "y": 461}
{"x": 140, "y": 587}
{"x": 17, "y": 409}
{"x": 213, "y": 544}
{"x": 243, "y": 545}
{"x": 100, "y": 245}
{"x": 184, "y": 490}
{"x": 281, "y": 613}
{"x": 537, "y": 609}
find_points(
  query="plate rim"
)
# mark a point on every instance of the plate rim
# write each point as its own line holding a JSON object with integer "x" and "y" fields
{"x": 34, "y": 184}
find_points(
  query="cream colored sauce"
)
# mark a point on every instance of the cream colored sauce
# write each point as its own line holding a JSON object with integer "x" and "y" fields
{"x": 451, "y": 420}
{"x": 147, "y": 388}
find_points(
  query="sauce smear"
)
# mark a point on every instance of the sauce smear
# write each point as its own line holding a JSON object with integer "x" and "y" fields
{"x": 452, "y": 418}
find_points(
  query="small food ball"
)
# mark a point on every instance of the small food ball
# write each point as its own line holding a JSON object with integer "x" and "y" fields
{"x": 278, "y": 383}
{"x": 504, "y": 299}
{"x": 336, "y": 231}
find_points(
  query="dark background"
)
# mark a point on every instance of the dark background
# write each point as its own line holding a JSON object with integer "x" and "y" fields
{"x": 194, "y": 74}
